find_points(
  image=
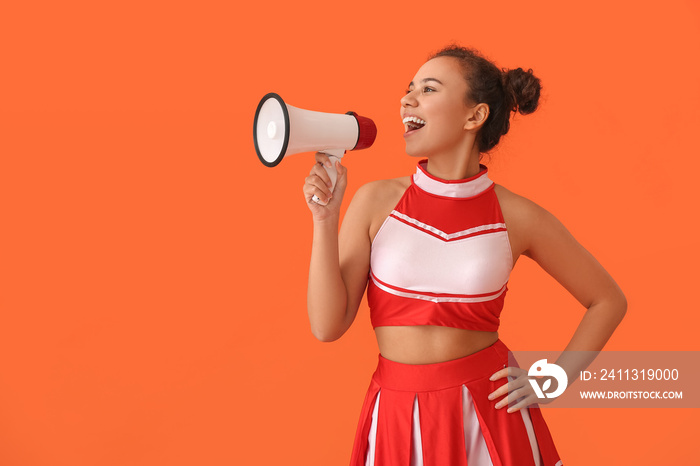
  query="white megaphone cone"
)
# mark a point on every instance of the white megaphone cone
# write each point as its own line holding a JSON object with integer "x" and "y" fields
{"x": 280, "y": 130}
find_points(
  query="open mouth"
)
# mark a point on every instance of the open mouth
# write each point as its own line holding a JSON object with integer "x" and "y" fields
{"x": 413, "y": 124}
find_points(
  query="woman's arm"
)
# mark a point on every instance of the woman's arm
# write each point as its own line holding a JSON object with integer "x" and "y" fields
{"x": 543, "y": 238}
{"x": 561, "y": 256}
{"x": 339, "y": 261}
{"x": 539, "y": 235}
{"x": 551, "y": 245}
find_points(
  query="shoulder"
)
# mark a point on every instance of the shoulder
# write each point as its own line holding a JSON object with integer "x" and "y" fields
{"x": 524, "y": 219}
{"x": 377, "y": 195}
{"x": 516, "y": 206}
{"x": 379, "y": 190}
{"x": 375, "y": 200}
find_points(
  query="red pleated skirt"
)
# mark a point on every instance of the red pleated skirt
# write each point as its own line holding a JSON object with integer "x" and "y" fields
{"x": 439, "y": 415}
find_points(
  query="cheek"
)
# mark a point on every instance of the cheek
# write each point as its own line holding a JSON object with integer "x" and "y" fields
{"x": 457, "y": 113}
{"x": 449, "y": 124}
{"x": 449, "y": 113}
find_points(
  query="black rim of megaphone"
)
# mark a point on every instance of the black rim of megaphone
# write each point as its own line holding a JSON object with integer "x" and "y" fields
{"x": 280, "y": 156}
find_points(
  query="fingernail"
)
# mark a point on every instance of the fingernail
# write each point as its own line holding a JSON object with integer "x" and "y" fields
{"x": 499, "y": 405}
{"x": 491, "y": 397}
{"x": 492, "y": 377}
{"x": 328, "y": 164}
{"x": 510, "y": 410}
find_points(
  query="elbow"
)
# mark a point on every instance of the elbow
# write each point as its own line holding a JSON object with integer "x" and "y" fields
{"x": 327, "y": 324}
{"x": 623, "y": 305}
{"x": 326, "y": 338}
{"x": 326, "y": 334}
{"x": 620, "y": 305}
{"x": 613, "y": 307}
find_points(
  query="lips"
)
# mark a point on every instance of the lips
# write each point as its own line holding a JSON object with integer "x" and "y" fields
{"x": 413, "y": 123}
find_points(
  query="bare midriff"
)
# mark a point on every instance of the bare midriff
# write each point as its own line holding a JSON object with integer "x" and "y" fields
{"x": 427, "y": 344}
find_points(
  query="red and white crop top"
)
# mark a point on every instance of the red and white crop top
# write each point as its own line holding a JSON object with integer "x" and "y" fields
{"x": 442, "y": 257}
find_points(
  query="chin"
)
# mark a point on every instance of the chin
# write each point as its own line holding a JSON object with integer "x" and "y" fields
{"x": 413, "y": 152}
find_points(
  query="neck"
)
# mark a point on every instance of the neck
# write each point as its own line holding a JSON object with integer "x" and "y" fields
{"x": 455, "y": 165}
{"x": 454, "y": 168}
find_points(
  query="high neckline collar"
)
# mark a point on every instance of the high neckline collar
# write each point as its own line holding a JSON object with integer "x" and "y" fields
{"x": 467, "y": 187}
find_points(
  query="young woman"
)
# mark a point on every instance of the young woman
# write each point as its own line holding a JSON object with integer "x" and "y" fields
{"x": 434, "y": 252}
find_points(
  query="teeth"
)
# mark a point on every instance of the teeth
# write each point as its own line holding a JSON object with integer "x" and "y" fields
{"x": 413, "y": 119}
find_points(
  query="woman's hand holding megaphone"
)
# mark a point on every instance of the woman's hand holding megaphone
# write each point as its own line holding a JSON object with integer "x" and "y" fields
{"x": 319, "y": 184}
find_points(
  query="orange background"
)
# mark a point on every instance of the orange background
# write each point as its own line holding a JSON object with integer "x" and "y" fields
{"x": 154, "y": 272}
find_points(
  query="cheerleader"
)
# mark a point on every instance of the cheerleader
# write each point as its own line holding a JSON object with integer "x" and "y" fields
{"x": 434, "y": 252}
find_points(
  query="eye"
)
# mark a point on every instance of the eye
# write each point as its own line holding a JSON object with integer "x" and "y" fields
{"x": 428, "y": 89}
{"x": 408, "y": 91}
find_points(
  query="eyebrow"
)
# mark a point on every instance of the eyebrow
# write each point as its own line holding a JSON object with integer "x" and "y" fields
{"x": 426, "y": 80}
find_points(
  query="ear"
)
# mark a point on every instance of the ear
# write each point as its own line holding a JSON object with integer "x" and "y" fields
{"x": 479, "y": 114}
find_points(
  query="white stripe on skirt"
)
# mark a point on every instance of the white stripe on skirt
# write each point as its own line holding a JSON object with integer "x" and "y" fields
{"x": 373, "y": 434}
{"x": 477, "y": 452}
{"x": 476, "y": 449}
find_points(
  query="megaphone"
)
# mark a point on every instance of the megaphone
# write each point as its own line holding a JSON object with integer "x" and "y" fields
{"x": 280, "y": 130}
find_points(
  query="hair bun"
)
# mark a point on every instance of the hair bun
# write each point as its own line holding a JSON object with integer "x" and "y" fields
{"x": 523, "y": 88}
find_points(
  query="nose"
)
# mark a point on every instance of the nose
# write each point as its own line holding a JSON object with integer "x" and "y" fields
{"x": 408, "y": 100}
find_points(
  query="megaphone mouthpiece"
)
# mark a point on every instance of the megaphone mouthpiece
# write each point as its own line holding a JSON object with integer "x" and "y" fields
{"x": 367, "y": 132}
